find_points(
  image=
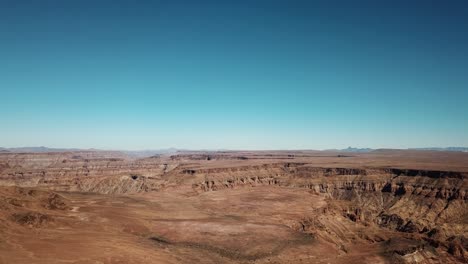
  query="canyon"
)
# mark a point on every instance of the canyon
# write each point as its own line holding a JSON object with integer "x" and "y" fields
{"x": 383, "y": 206}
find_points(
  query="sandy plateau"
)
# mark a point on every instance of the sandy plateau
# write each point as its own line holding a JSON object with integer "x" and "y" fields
{"x": 385, "y": 206}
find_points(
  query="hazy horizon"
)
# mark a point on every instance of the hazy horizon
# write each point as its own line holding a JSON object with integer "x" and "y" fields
{"x": 233, "y": 75}
{"x": 349, "y": 148}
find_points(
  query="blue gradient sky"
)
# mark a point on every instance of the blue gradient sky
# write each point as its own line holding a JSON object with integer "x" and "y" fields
{"x": 236, "y": 74}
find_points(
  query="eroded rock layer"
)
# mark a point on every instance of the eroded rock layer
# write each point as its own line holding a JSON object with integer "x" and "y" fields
{"x": 410, "y": 206}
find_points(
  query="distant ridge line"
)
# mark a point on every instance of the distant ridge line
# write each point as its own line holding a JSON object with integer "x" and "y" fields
{"x": 149, "y": 152}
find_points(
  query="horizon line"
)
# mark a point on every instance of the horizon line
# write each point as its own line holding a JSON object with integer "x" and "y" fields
{"x": 64, "y": 149}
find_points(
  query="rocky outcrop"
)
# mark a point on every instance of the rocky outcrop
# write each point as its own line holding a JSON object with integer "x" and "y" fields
{"x": 182, "y": 157}
{"x": 29, "y": 207}
{"x": 406, "y": 201}
{"x": 32, "y": 219}
{"x": 81, "y": 171}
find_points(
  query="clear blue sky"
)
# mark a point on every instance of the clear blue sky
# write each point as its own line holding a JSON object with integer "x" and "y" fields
{"x": 233, "y": 74}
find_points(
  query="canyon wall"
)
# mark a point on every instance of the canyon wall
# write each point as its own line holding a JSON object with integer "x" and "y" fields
{"x": 429, "y": 205}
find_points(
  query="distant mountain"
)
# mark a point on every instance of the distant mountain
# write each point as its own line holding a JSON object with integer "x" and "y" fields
{"x": 461, "y": 149}
{"x": 364, "y": 150}
{"x": 149, "y": 153}
{"x": 135, "y": 154}
{"x": 36, "y": 149}
{"x": 351, "y": 149}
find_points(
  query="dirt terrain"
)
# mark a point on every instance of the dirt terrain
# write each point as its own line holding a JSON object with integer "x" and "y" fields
{"x": 385, "y": 206}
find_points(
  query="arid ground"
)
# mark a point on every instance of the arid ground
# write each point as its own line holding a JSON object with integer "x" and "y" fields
{"x": 385, "y": 206}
